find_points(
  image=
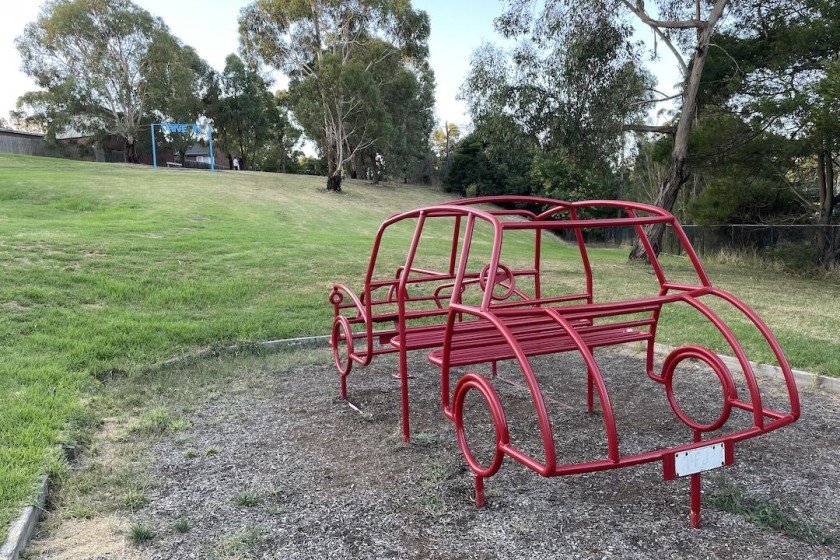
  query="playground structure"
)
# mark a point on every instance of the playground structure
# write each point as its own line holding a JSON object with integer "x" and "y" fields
{"x": 475, "y": 309}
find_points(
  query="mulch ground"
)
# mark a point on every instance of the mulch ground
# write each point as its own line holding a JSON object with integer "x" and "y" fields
{"x": 324, "y": 481}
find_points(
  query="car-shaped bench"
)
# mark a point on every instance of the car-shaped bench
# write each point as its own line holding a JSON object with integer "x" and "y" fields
{"x": 467, "y": 315}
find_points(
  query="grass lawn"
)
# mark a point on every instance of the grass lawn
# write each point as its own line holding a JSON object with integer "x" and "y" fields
{"x": 113, "y": 268}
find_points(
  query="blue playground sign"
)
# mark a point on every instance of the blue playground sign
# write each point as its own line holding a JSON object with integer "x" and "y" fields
{"x": 198, "y": 129}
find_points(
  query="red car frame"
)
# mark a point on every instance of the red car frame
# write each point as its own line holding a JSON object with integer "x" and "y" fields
{"x": 422, "y": 308}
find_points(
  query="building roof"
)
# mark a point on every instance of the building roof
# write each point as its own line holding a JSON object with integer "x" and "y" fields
{"x": 20, "y": 132}
{"x": 198, "y": 150}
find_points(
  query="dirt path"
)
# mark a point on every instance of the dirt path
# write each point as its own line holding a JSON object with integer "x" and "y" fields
{"x": 286, "y": 471}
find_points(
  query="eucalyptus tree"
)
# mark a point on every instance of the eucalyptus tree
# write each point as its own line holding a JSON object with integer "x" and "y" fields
{"x": 777, "y": 66}
{"x": 556, "y": 103}
{"x": 246, "y": 111}
{"x": 399, "y": 115}
{"x": 321, "y": 46}
{"x": 97, "y": 62}
{"x": 182, "y": 88}
{"x": 285, "y": 134}
{"x": 444, "y": 140}
{"x": 684, "y": 28}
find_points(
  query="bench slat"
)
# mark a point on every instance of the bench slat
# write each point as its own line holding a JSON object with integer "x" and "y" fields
{"x": 554, "y": 342}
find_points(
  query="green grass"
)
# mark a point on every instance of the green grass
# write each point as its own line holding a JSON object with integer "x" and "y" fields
{"x": 182, "y": 525}
{"x": 238, "y": 544}
{"x": 110, "y": 269}
{"x": 133, "y": 500}
{"x": 767, "y": 514}
{"x": 139, "y": 534}
{"x": 246, "y": 498}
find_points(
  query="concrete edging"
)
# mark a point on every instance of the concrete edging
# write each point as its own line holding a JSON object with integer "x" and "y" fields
{"x": 302, "y": 342}
{"x": 22, "y": 528}
{"x": 803, "y": 379}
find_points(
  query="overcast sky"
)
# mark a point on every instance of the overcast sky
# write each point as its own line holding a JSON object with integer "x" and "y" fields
{"x": 458, "y": 27}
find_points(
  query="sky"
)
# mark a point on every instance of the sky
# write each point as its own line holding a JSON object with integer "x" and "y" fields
{"x": 210, "y": 26}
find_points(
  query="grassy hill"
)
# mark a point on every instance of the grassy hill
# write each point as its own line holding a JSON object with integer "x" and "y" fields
{"x": 113, "y": 268}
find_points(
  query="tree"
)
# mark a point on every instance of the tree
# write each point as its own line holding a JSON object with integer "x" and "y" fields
{"x": 246, "y": 113}
{"x": 278, "y": 152}
{"x": 471, "y": 172}
{"x": 679, "y": 25}
{"x": 97, "y": 62}
{"x": 551, "y": 111}
{"x": 444, "y": 140}
{"x": 321, "y": 44}
{"x": 408, "y": 95}
{"x": 183, "y": 88}
{"x": 286, "y": 133}
{"x": 777, "y": 65}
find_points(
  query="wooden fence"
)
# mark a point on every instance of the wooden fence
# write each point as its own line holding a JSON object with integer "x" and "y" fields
{"x": 24, "y": 144}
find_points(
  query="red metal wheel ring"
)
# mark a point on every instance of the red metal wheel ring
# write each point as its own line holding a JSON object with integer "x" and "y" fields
{"x": 722, "y": 373}
{"x": 465, "y": 384}
{"x": 342, "y": 323}
{"x": 483, "y": 276}
{"x": 336, "y": 298}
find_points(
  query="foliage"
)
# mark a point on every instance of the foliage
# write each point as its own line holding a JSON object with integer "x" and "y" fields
{"x": 312, "y": 166}
{"x": 554, "y": 176}
{"x": 103, "y": 66}
{"x": 280, "y": 153}
{"x": 333, "y": 52}
{"x": 550, "y": 112}
{"x": 737, "y": 170}
{"x": 246, "y": 113}
{"x": 444, "y": 139}
{"x": 602, "y": 65}
{"x": 182, "y": 87}
{"x": 408, "y": 95}
{"x": 471, "y": 167}
{"x": 778, "y": 66}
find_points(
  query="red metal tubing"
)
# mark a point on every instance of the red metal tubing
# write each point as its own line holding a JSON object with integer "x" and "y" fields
{"x": 507, "y": 199}
{"x": 593, "y": 223}
{"x": 793, "y": 392}
{"x": 652, "y": 258}
{"x": 695, "y": 491}
{"x": 401, "y": 326}
{"x": 617, "y": 204}
{"x": 466, "y": 383}
{"x": 584, "y": 257}
{"x": 692, "y": 255}
{"x": 752, "y": 385}
{"x": 506, "y": 334}
{"x": 342, "y": 324}
{"x": 594, "y": 372}
{"x": 525, "y": 366}
{"x": 362, "y": 316}
{"x": 720, "y": 369}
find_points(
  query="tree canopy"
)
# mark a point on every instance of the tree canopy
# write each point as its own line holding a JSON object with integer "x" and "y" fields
{"x": 105, "y": 66}
{"x": 332, "y": 51}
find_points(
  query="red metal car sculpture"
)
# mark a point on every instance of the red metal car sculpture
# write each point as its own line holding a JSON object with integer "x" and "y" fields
{"x": 468, "y": 315}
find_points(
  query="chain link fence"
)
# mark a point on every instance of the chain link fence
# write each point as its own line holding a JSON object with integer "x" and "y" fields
{"x": 760, "y": 239}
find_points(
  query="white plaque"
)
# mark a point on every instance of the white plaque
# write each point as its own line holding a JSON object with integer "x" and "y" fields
{"x": 699, "y": 459}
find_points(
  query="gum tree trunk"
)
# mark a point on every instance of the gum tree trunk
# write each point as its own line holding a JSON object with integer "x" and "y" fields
{"x": 678, "y": 172}
{"x": 827, "y": 250}
{"x": 131, "y": 151}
